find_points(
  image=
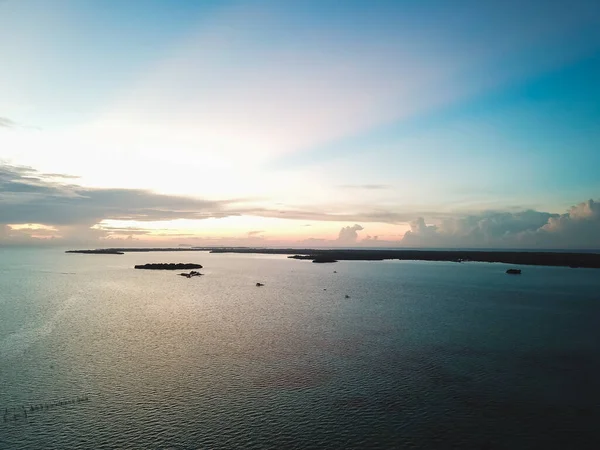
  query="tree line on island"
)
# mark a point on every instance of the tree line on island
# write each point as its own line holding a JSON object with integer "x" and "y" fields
{"x": 539, "y": 258}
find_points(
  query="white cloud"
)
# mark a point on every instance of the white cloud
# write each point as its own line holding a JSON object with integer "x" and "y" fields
{"x": 36, "y": 205}
{"x": 578, "y": 228}
{"x": 349, "y": 234}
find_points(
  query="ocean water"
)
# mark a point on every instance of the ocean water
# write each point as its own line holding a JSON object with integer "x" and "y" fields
{"x": 421, "y": 354}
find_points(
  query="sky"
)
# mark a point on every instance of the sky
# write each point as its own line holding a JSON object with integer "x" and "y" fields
{"x": 305, "y": 123}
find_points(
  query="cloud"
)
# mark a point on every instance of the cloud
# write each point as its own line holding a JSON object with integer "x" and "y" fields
{"x": 365, "y": 186}
{"x": 31, "y": 197}
{"x": 11, "y": 124}
{"x": 485, "y": 229}
{"x": 349, "y": 234}
{"x": 27, "y": 234}
{"x": 27, "y": 196}
{"x": 62, "y": 176}
{"x": 577, "y": 228}
{"x": 7, "y": 123}
{"x": 418, "y": 227}
{"x": 48, "y": 206}
{"x": 337, "y": 213}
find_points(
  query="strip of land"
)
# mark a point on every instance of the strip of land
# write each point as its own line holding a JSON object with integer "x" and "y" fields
{"x": 168, "y": 266}
{"x": 99, "y": 251}
{"x": 567, "y": 259}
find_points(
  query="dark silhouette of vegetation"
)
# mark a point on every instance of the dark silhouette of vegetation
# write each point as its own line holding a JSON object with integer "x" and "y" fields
{"x": 168, "y": 266}
{"x": 100, "y": 251}
{"x": 549, "y": 258}
{"x": 324, "y": 259}
{"x": 193, "y": 273}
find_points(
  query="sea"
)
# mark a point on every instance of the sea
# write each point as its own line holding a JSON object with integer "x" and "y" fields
{"x": 352, "y": 355}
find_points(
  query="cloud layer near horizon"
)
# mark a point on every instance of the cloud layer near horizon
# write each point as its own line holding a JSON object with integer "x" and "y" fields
{"x": 28, "y": 196}
{"x": 36, "y": 206}
{"x": 579, "y": 227}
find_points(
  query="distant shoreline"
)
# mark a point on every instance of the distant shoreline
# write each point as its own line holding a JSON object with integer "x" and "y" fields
{"x": 107, "y": 251}
{"x": 537, "y": 258}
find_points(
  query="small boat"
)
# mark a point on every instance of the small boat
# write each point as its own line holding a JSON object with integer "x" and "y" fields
{"x": 514, "y": 271}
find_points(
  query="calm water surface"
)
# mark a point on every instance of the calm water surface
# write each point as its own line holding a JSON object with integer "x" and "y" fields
{"x": 422, "y": 355}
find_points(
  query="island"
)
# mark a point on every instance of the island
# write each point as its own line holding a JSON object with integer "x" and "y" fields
{"x": 99, "y": 251}
{"x": 168, "y": 266}
{"x": 193, "y": 273}
{"x": 115, "y": 250}
{"x": 323, "y": 259}
{"x": 522, "y": 257}
{"x": 535, "y": 258}
{"x": 294, "y": 256}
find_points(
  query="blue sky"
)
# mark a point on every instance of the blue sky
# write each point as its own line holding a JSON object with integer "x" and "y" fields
{"x": 274, "y": 116}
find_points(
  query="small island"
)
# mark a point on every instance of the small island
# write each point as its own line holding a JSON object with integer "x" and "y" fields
{"x": 315, "y": 259}
{"x": 168, "y": 266}
{"x": 99, "y": 251}
{"x": 193, "y": 273}
{"x": 324, "y": 259}
{"x": 589, "y": 259}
